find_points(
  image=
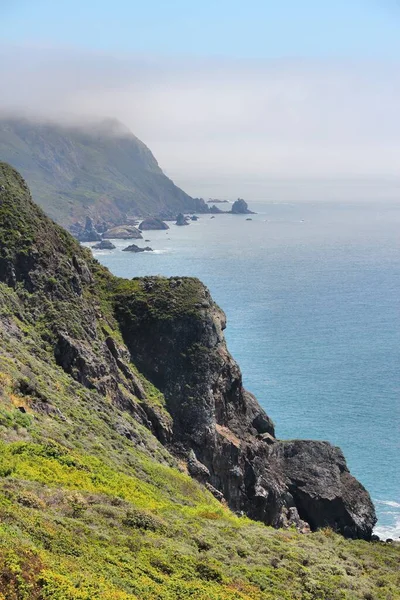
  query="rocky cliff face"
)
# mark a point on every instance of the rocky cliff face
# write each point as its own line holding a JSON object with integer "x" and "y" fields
{"x": 174, "y": 332}
{"x": 155, "y": 348}
{"x": 56, "y": 281}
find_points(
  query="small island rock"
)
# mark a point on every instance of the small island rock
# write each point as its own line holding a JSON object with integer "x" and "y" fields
{"x": 152, "y": 223}
{"x": 216, "y": 210}
{"x": 240, "y": 207}
{"x": 123, "y": 232}
{"x": 134, "y": 248}
{"x": 104, "y": 245}
{"x": 181, "y": 220}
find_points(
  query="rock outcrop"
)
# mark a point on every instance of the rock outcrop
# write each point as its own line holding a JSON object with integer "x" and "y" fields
{"x": 240, "y": 207}
{"x": 58, "y": 278}
{"x": 104, "y": 245}
{"x": 134, "y": 248}
{"x": 123, "y": 232}
{"x": 221, "y": 426}
{"x": 215, "y": 210}
{"x": 152, "y": 223}
{"x": 181, "y": 220}
{"x": 88, "y": 233}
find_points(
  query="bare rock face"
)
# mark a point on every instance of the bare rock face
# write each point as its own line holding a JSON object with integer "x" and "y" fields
{"x": 88, "y": 233}
{"x": 228, "y": 439}
{"x": 152, "y": 223}
{"x": 55, "y": 271}
{"x": 104, "y": 245}
{"x": 240, "y": 207}
{"x": 134, "y": 248}
{"x": 123, "y": 232}
{"x": 181, "y": 220}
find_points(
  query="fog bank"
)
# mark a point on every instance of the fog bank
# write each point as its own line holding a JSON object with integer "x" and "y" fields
{"x": 224, "y": 125}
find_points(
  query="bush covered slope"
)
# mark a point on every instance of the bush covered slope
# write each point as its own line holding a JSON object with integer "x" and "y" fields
{"x": 92, "y": 505}
{"x": 102, "y": 171}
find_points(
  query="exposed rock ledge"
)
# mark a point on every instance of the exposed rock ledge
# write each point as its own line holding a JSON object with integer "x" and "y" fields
{"x": 220, "y": 426}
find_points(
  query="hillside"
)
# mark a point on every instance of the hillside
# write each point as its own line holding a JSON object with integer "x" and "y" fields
{"x": 102, "y": 171}
{"x": 111, "y": 393}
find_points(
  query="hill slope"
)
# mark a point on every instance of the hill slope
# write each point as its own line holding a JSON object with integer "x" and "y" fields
{"x": 102, "y": 171}
{"x": 95, "y": 499}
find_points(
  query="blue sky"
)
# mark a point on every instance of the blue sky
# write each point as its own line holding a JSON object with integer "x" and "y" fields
{"x": 231, "y": 28}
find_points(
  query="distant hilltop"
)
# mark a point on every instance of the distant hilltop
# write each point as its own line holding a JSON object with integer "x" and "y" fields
{"x": 98, "y": 170}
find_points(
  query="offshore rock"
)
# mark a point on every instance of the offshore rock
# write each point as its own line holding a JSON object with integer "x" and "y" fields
{"x": 181, "y": 220}
{"x": 240, "y": 207}
{"x": 123, "y": 232}
{"x": 104, "y": 245}
{"x": 134, "y": 248}
{"x": 152, "y": 223}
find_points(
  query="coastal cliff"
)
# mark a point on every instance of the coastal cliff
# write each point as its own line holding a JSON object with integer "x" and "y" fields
{"x": 173, "y": 333}
{"x": 112, "y": 392}
{"x": 98, "y": 170}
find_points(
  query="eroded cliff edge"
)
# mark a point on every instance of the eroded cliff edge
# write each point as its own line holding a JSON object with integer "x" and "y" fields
{"x": 120, "y": 338}
{"x": 174, "y": 332}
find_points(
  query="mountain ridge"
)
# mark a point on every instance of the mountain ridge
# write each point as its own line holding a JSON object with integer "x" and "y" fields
{"x": 100, "y": 170}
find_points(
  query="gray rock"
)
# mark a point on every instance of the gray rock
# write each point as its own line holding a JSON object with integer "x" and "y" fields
{"x": 196, "y": 468}
{"x": 152, "y": 223}
{"x": 123, "y": 232}
{"x": 89, "y": 232}
{"x": 232, "y": 439}
{"x": 134, "y": 248}
{"x": 181, "y": 220}
{"x": 104, "y": 245}
{"x": 240, "y": 207}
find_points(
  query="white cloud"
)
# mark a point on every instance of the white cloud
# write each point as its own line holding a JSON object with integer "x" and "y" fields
{"x": 223, "y": 120}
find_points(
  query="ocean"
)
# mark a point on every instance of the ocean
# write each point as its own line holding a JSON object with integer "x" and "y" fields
{"x": 312, "y": 297}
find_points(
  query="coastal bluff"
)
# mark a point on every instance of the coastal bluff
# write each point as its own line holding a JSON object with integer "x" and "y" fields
{"x": 132, "y": 342}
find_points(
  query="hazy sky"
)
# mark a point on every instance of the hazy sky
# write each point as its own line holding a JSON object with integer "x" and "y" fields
{"x": 223, "y": 92}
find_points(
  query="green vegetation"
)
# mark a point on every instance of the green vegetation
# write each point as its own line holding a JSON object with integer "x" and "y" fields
{"x": 158, "y": 297}
{"x": 92, "y": 506}
{"x": 103, "y": 170}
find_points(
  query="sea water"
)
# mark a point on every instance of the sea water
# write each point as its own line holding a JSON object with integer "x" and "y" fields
{"x": 312, "y": 298}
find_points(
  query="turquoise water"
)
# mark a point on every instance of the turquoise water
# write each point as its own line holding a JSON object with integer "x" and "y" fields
{"x": 311, "y": 293}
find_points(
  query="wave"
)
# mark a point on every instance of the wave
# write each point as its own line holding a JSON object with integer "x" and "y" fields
{"x": 388, "y": 531}
{"x": 391, "y": 503}
{"x": 391, "y": 526}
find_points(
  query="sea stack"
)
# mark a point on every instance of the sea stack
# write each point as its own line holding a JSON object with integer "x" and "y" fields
{"x": 240, "y": 207}
{"x": 181, "y": 220}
